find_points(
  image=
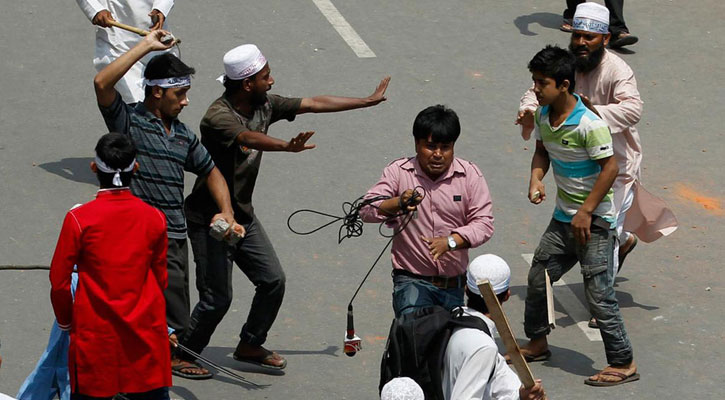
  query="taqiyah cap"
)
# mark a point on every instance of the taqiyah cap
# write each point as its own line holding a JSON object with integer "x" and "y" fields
{"x": 591, "y": 17}
{"x": 402, "y": 388}
{"x": 242, "y": 62}
{"x": 492, "y": 268}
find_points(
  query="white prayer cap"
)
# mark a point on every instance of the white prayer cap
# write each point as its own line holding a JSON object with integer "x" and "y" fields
{"x": 242, "y": 62}
{"x": 402, "y": 388}
{"x": 491, "y": 267}
{"x": 591, "y": 17}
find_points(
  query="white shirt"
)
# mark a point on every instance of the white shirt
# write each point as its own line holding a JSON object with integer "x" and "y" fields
{"x": 112, "y": 42}
{"x": 6, "y": 397}
{"x": 470, "y": 356}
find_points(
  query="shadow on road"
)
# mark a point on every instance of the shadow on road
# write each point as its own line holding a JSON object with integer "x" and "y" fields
{"x": 75, "y": 169}
{"x": 545, "y": 19}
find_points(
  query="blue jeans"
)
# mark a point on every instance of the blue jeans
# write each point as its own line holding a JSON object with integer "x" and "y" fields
{"x": 156, "y": 394}
{"x": 410, "y": 294}
{"x": 557, "y": 253}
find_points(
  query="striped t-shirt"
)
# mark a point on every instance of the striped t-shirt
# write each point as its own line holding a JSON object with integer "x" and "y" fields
{"x": 574, "y": 148}
{"x": 162, "y": 159}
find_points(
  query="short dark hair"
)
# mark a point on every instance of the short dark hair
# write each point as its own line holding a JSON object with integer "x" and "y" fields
{"x": 117, "y": 151}
{"x": 556, "y": 63}
{"x": 165, "y": 65}
{"x": 476, "y": 302}
{"x": 439, "y": 122}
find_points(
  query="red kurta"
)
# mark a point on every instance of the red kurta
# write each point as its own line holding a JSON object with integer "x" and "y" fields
{"x": 118, "y": 338}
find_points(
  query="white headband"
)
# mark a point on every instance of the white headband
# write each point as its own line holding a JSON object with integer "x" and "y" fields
{"x": 172, "y": 82}
{"x": 103, "y": 167}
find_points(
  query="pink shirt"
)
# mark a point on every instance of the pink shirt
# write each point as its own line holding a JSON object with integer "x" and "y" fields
{"x": 457, "y": 202}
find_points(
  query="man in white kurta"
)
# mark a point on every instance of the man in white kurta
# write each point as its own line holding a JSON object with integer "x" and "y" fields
{"x": 612, "y": 89}
{"x": 112, "y": 42}
{"x": 473, "y": 369}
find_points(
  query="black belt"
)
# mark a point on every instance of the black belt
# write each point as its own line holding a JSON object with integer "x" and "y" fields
{"x": 441, "y": 282}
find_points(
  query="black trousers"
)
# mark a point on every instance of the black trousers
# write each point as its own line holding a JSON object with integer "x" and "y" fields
{"x": 256, "y": 257}
{"x": 616, "y": 15}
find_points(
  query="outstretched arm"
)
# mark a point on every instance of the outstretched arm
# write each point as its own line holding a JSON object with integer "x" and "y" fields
{"x": 107, "y": 78}
{"x": 325, "y": 104}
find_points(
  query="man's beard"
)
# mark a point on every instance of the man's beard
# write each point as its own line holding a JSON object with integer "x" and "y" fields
{"x": 588, "y": 63}
{"x": 258, "y": 100}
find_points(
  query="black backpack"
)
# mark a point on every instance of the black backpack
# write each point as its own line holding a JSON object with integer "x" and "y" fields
{"x": 417, "y": 344}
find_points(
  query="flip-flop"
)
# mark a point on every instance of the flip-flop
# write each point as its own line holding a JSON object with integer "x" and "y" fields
{"x": 593, "y": 323}
{"x": 260, "y": 361}
{"x": 537, "y": 358}
{"x": 566, "y": 26}
{"x": 177, "y": 370}
{"x": 624, "y": 379}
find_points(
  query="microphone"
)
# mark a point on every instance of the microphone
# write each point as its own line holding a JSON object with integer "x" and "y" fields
{"x": 352, "y": 341}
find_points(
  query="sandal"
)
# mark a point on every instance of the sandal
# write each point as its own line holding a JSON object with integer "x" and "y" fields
{"x": 593, "y": 323}
{"x": 566, "y": 26}
{"x": 178, "y": 371}
{"x": 623, "y": 378}
{"x": 269, "y": 359}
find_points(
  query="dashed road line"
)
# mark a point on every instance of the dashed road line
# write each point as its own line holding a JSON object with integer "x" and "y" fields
{"x": 344, "y": 29}
{"x": 573, "y": 307}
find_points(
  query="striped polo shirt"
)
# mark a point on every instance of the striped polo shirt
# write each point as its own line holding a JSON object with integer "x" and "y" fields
{"x": 162, "y": 159}
{"x": 574, "y": 148}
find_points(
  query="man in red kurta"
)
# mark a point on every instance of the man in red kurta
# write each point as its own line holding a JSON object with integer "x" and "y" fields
{"x": 118, "y": 336}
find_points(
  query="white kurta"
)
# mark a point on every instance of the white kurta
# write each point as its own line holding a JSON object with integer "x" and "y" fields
{"x": 470, "y": 356}
{"x": 112, "y": 42}
{"x": 612, "y": 89}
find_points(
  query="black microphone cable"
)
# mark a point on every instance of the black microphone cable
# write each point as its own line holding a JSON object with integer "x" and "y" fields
{"x": 352, "y": 226}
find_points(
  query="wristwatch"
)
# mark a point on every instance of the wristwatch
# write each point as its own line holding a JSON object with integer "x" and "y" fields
{"x": 451, "y": 243}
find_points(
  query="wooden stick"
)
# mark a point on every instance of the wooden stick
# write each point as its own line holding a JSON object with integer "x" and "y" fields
{"x": 550, "y": 301}
{"x": 129, "y": 28}
{"x": 142, "y": 32}
{"x": 504, "y": 330}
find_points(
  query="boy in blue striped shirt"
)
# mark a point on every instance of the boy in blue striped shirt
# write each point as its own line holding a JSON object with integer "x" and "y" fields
{"x": 578, "y": 145}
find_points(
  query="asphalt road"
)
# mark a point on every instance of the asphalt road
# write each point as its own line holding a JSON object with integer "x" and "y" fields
{"x": 469, "y": 55}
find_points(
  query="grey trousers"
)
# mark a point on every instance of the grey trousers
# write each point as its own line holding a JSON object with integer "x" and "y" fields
{"x": 557, "y": 253}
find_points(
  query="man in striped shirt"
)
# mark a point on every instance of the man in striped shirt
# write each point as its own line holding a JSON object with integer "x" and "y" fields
{"x": 578, "y": 145}
{"x": 166, "y": 148}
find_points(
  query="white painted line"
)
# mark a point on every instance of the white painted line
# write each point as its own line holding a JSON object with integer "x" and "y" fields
{"x": 573, "y": 307}
{"x": 344, "y": 29}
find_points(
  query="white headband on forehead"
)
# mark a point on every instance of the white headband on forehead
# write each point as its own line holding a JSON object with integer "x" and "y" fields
{"x": 242, "y": 62}
{"x": 166, "y": 83}
{"x": 591, "y": 17}
{"x": 103, "y": 167}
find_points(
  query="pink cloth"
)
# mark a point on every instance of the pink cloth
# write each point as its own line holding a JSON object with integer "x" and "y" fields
{"x": 612, "y": 89}
{"x": 457, "y": 202}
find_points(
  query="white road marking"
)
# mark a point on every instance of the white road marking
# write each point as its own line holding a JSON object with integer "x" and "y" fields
{"x": 344, "y": 29}
{"x": 573, "y": 307}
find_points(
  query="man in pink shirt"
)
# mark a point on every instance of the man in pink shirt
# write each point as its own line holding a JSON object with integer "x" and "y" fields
{"x": 453, "y": 213}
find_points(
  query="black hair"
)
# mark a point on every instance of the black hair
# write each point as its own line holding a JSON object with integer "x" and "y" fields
{"x": 556, "y": 63}
{"x": 165, "y": 65}
{"x": 476, "y": 302}
{"x": 439, "y": 122}
{"x": 232, "y": 86}
{"x": 117, "y": 151}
